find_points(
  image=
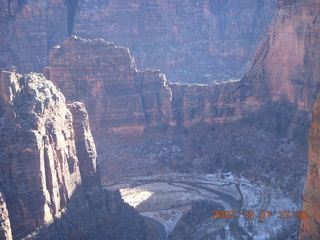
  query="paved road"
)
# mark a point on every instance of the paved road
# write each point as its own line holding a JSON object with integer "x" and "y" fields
{"x": 233, "y": 203}
{"x": 225, "y": 197}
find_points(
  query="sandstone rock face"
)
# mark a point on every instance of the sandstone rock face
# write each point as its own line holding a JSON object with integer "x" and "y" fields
{"x": 310, "y": 226}
{"x": 123, "y": 99}
{"x": 161, "y": 34}
{"x": 286, "y": 65}
{"x": 108, "y": 89}
{"x": 86, "y": 150}
{"x": 119, "y": 98}
{"x": 190, "y": 41}
{"x": 48, "y": 168}
{"x": 28, "y": 30}
{"x": 218, "y": 103}
{"x": 38, "y": 149}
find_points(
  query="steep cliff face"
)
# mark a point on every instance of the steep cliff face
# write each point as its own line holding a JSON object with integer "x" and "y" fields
{"x": 86, "y": 150}
{"x": 284, "y": 67}
{"x": 309, "y": 228}
{"x": 190, "y": 41}
{"x": 211, "y": 104}
{"x": 274, "y": 86}
{"x": 28, "y": 30}
{"x": 41, "y": 166}
{"x": 161, "y": 34}
{"x": 286, "y": 63}
{"x": 120, "y": 99}
{"x": 48, "y": 166}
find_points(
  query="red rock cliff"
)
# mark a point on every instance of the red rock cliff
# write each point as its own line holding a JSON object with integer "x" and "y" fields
{"x": 48, "y": 169}
{"x": 310, "y": 226}
{"x": 190, "y": 41}
{"x": 120, "y": 99}
{"x": 28, "y": 30}
{"x": 284, "y": 67}
{"x": 286, "y": 64}
{"x": 161, "y": 34}
{"x": 38, "y": 149}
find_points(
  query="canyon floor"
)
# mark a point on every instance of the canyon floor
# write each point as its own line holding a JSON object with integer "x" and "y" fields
{"x": 180, "y": 201}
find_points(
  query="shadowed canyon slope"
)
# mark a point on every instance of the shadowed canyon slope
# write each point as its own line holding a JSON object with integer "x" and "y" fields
{"x": 50, "y": 186}
{"x": 161, "y": 34}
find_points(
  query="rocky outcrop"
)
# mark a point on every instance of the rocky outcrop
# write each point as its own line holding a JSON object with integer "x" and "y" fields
{"x": 38, "y": 149}
{"x": 120, "y": 99}
{"x": 310, "y": 226}
{"x": 48, "y": 167}
{"x": 161, "y": 34}
{"x": 86, "y": 150}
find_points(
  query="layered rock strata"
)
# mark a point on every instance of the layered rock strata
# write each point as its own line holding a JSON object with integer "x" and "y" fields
{"x": 310, "y": 226}
{"x": 161, "y": 34}
{"x": 286, "y": 65}
{"x": 120, "y": 98}
{"x": 49, "y": 170}
{"x": 284, "y": 74}
{"x": 28, "y": 30}
{"x": 190, "y": 41}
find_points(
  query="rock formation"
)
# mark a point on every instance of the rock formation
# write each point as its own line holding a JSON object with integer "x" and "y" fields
{"x": 123, "y": 100}
{"x": 47, "y": 150}
{"x": 286, "y": 63}
{"x": 49, "y": 179}
{"x": 28, "y": 30}
{"x": 120, "y": 99}
{"x": 119, "y": 102}
{"x": 310, "y": 226}
{"x": 190, "y": 41}
{"x": 161, "y": 34}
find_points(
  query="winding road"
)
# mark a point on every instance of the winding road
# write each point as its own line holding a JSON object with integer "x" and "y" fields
{"x": 228, "y": 199}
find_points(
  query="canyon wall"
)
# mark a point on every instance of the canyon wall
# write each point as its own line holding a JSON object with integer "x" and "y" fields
{"x": 120, "y": 99}
{"x": 310, "y": 225}
{"x": 28, "y": 30}
{"x": 161, "y": 34}
{"x": 190, "y": 41}
{"x": 280, "y": 85}
{"x": 48, "y": 168}
{"x": 286, "y": 63}
{"x": 125, "y": 101}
